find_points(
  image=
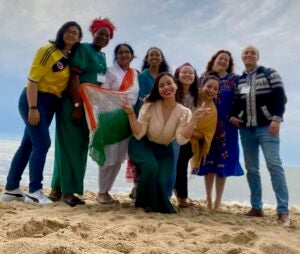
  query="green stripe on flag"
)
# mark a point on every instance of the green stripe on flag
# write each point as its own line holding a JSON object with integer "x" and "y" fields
{"x": 113, "y": 127}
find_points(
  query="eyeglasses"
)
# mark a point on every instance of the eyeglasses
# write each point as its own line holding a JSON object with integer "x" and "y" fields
{"x": 72, "y": 32}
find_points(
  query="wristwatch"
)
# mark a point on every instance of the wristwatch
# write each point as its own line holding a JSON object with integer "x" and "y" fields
{"x": 77, "y": 104}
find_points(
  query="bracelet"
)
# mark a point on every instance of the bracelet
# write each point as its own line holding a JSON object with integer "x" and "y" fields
{"x": 277, "y": 119}
{"x": 33, "y": 107}
{"x": 231, "y": 119}
{"x": 77, "y": 104}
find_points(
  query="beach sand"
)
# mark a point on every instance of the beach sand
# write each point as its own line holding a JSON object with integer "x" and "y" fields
{"x": 119, "y": 228}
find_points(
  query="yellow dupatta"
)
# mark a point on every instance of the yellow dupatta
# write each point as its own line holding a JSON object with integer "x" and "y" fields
{"x": 207, "y": 127}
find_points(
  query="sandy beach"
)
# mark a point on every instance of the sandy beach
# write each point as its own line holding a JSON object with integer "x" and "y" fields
{"x": 119, "y": 228}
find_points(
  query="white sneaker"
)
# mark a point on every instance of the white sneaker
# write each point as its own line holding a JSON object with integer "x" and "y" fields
{"x": 37, "y": 197}
{"x": 15, "y": 194}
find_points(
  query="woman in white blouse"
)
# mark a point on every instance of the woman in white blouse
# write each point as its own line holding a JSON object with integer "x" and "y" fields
{"x": 161, "y": 120}
{"x": 120, "y": 77}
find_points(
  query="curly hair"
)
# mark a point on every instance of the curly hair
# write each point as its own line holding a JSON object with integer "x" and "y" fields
{"x": 210, "y": 63}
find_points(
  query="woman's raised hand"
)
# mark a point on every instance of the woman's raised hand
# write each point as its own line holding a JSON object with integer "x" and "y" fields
{"x": 127, "y": 106}
{"x": 201, "y": 111}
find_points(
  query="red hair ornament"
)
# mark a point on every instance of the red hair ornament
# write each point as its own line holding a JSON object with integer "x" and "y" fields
{"x": 99, "y": 23}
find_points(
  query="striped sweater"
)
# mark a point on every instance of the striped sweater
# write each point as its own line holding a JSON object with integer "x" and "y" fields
{"x": 259, "y": 97}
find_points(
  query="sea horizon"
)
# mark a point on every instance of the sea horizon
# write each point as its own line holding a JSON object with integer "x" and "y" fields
{"x": 236, "y": 188}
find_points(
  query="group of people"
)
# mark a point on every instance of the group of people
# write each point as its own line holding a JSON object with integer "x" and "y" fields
{"x": 177, "y": 121}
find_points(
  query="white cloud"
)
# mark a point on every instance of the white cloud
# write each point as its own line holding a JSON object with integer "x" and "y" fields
{"x": 187, "y": 31}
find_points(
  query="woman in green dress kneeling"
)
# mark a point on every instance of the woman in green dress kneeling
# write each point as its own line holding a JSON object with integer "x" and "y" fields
{"x": 161, "y": 120}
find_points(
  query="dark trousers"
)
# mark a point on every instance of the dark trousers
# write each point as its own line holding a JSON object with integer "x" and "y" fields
{"x": 35, "y": 143}
{"x": 181, "y": 187}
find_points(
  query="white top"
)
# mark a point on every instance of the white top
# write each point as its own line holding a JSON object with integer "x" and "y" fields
{"x": 153, "y": 125}
{"x": 116, "y": 153}
{"x": 113, "y": 80}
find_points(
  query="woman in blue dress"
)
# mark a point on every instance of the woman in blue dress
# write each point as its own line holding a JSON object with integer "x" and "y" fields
{"x": 223, "y": 158}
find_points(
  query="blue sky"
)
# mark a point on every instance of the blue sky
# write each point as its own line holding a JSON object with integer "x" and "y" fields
{"x": 186, "y": 31}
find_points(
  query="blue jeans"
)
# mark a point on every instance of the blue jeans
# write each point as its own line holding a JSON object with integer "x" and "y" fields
{"x": 252, "y": 138}
{"x": 35, "y": 143}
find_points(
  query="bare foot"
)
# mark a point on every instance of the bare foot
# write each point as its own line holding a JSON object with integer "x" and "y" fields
{"x": 105, "y": 198}
{"x": 178, "y": 201}
{"x": 217, "y": 206}
{"x": 185, "y": 203}
{"x": 209, "y": 204}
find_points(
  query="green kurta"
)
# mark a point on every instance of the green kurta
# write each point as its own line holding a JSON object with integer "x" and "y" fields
{"x": 72, "y": 140}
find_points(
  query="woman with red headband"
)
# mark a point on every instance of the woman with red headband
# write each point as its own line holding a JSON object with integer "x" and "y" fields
{"x": 88, "y": 65}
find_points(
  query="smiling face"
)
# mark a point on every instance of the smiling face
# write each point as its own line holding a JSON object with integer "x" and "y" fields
{"x": 71, "y": 36}
{"x": 210, "y": 89}
{"x": 167, "y": 87}
{"x": 154, "y": 57}
{"x": 250, "y": 57}
{"x": 124, "y": 56}
{"x": 101, "y": 38}
{"x": 186, "y": 75}
{"x": 221, "y": 63}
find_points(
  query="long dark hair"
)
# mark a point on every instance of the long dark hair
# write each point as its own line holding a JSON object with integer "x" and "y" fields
{"x": 213, "y": 58}
{"x": 204, "y": 79}
{"x": 209, "y": 75}
{"x": 154, "y": 94}
{"x": 59, "y": 40}
{"x": 194, "y": 90}
{"x": 163, "y": 67}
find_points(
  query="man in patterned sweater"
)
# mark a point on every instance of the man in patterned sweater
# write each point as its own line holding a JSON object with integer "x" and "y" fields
{"x": 258, "y": 110}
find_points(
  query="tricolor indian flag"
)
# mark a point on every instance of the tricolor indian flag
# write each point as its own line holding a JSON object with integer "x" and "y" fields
{"x": 108, "y": 123}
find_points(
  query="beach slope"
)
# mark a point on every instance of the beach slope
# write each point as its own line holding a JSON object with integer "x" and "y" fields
{"x": 119, "y": 228}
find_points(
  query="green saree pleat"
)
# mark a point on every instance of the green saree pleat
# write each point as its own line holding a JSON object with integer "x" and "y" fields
{"x": 155, "y": 164}
{"x": 71, "y": 148}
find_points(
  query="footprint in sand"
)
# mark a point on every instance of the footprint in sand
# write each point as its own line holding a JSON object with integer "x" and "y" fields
{"x": 148, "y": 229}
{"x": 277, "y": 248}
{"x": 244, "y": 237}
{"x": 117, "y": 217}
{"x": 35, "y": 228}
{"x": 118, "y": 245}
{"x": 60, "y": 250}
{"x": 190, "y": 228}
{"x": 240, "y": 238}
